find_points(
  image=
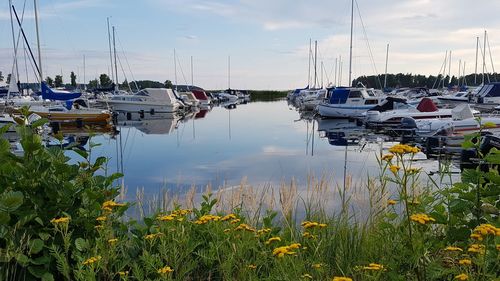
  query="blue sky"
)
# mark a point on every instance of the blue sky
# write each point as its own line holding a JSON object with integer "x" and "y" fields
{"x": 267, "y": 41}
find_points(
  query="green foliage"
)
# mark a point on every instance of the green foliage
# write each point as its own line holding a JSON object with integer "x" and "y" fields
{"x": 104, "y": 80}
{"x": 73, "y": 79}
{"x": 49, "y": 81}
{"x": 58, "y": 81}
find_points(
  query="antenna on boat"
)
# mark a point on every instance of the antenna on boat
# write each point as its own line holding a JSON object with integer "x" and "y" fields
{"x": 350, "y": 45}
{"x": 386, "y": 60}
{"x": 116, "y": 66}
{"x": 40, "y": 72}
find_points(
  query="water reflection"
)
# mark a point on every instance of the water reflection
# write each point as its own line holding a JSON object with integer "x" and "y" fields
{"x": 150, "y": 124}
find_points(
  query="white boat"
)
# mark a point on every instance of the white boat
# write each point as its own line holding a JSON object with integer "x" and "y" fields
{"x": 154, "y": 100}
{"x": 462, "y": 122}
{"x": 225, "y": 97}
{"x": 344, "y": 102}
{"x": 72, "y": 111}
{"x": 393, "y": 110}
{"x": 488, "y": 96}
{"x": 189, "y": 98}
{"x": 310, "y": 98}
{"x": 157, "y": 124}
{"x": 455, "y": 98}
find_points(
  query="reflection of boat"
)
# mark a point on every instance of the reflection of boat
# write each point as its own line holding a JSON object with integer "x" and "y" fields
{"x": 340, "y": 132}
{"x": 157, "y": 124}
{"x": 201, "y": 114}
{"x": 72, "y": 129}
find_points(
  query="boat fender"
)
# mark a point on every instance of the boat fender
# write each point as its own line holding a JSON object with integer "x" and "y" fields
{"x": 129, "y": 115}
{"x": 141, "y": 113}
{"x": 152, "y": 111}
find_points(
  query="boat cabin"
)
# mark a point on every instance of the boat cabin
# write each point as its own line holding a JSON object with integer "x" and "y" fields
{"x": 352, "y": 96}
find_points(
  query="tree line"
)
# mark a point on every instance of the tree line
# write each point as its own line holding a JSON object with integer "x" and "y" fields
{"x": 400, "y": 80}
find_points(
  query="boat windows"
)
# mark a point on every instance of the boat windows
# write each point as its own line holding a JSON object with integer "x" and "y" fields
{"x": 355, "y": 94}
{"x": 371, "y": 102}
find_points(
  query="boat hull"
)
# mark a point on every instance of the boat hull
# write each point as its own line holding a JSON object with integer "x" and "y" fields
{"x": 146, "y": 107}
{"x": 342, "y": 110}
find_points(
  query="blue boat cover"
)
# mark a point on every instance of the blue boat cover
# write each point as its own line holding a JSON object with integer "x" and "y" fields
{"x": 339, "y": 95}
{"x": 49, "y": 94}
{"x": 490, "y": 90}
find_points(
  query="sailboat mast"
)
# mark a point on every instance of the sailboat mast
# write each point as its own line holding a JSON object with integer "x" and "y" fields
{"x": 475, "y": 72}
{"x": 38, "y": 42}
{"x": 175, "y": 70}
{"x": 315, "y": 62}
{"x": 13, "y": 40}
{"x": 484, "y": 55}
{"x": 192, "y": 83}
{"x": 116, "y": 65}
{"x": 229, "y": 72}
{"x": 110, "y": 52}
{"x": 84, "y": 80}
{"x": 350, "y": 45}
{"x": 386, "y": 60}
{"x": 449, "y": 70}
{"x": 309, "y": 67}
{"x": 335, "y": 79}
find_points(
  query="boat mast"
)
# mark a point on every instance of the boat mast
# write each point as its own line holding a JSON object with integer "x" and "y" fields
{"x": 229, "y": 72}
{"x": 84, "y": 80}
{"x": 335, "y": 79}
{"x": 116, "y": 65}
{"x": 13, "y": 40}
{"x": 315, "y": 62}
{"x": 491, "y": 57}
{"x": 350, "y": 45}
{"x": 386, "y": 59}
{"x": 175, "y": 70}
{"x": 449, "y": 70}
{"x": 309, "y": 67}
{"x": 475, "y": 72}
{"x": 38, "y": 42}
{"x": 192, "y": 83}
{"x": 110, "y": 52}
{"x": 484, "y": 55}
{"x": 459, "y": 70}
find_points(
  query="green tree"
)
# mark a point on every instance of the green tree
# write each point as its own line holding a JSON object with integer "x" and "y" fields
{"x": 104, "y": 80}
{"x": 58, "y": 81}
{"x": 168, "y": 84}
{"x": 49, "y": 81}
{"x": 93, "y": 84}
{"x": 73, "y": 79}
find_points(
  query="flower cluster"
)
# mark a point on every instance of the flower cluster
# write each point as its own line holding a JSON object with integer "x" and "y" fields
{"x": 165, "y": 270}
{"x": 153, "y": 236}
{"x": 336, "y": 278}
{"x": 476, "y": 248}
{"x": 422, "y": 218}
{"x": 309, "y": 235}
{"x": 263, "y": 231}
{"x": 246, "y": 227}
{"x": 273, "y": 239}
{"x": 312, "y": 224}
{"x": 391, "y": 202}
{"x": 388, "y": 157}
{"x": 374, "y": 267}
{"x": 229, "y": 217}
{"x": 60, "y": 220}
{"x": 207, "y": 218}
{"x": 286, "y": 250}
{"x": 394, "y": 168}
{"x": 403, "y": 149}
{"x": 462, "y": 277}
{"x": 92, "y": 260}
{"x": 483, "y": 230}
{"x": 453, "y": 249}
{"x": 465, "y": 262}
{"x": 110, "y": 204}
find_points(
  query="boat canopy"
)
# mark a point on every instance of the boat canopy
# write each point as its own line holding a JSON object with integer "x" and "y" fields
{"x": 461, "y": 112}
{"x": 160, "y": 94}
{"x": 426, "y": 105}
{"x": 49, "y": 94}
{"x": 338, "y": 95}
{"x": 490, "y": 90}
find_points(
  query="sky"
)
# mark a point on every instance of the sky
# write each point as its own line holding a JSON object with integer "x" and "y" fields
{"x": 252, "y": 44}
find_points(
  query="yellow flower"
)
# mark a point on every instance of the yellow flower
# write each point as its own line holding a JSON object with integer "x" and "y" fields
{"x": 403, "y": 149}
{"x": 309, "y": 235}
{"x": 394, "y": 168}
{"x": 60, "y": 220}
{"x": 374, "y": 266}
{"x": 489, "y": 124}
{"x": 227, "y": 230}
{"x": 484, "y": 230}
{"x": 312, "y": 224}
{"x": 207, "y": 218}
{"x": 252, "y": 266}
{"x": 294, "y": 246}
{"x": 388, "y": 157}
{"x": 336, "y": 278}
{"x": 181, "y": 212}
{"x": 306, "y": 275}
{"x": 273, "y": 239}
{"x": 263, "y": 231}
{"x": 123, "y": 273}
{"x": 322, "y": 225}
{"x": 421, "y": 218}
{"x": 498, "y": 247}
{"x": 465, "y": 262}
{"x": 391, "y": 202}
{"x": 91, "y": 260}
{"x": 152, "y": 236}
{"x": 229, "y": 217}
{"x": 317, "y": 265}
{"x": 462, "y": 277}
{"x": 165, "y": 270}
{"x": 476, "y": 236}
{"x": 476, "y": 248}
{"x": 453, "y": 249}
{"x": 112, "y": 241}
{"x": 413, "y": 170}
{"x": 170, "y": 217}
{"x": 101, "y": 218}
{"x": 246, "y": 227}
{"x": 110, "y": 204}
{"x": 235, "y": 221}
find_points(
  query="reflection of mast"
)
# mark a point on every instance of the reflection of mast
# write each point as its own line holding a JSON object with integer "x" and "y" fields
{"x": 312, "y": 145}
{"x": 229, "y": 123}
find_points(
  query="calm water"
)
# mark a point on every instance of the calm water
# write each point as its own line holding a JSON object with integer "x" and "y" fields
{"x": 265, "y": 143}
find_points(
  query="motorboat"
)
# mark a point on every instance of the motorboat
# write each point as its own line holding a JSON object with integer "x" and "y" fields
{"x": 488, "y": 96}
{"x": 72, "y": 111}
{"x": 189, "y": 98}
{"x": 153, "y": 100}
{"x": 310, "y": 98}
{"x": 393, "y": 110}
{"x": 346, "y": 102}
{"x": 455, "y": 98}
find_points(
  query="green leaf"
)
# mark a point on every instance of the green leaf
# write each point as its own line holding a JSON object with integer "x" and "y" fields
{"x": 11, "y": 200}
{"x": 4, "y": 217}
{"x": 23, "y": 260}
{"x": 39, "y": 123}
{"x": 36, "y": 245}
{"x": 4, "y": 129}
{"x": 41, "y": 260}
{"x": 80, "y": 152}
{"x": 81, "y": 244}
{"x": 44, "y": 236}
{"x": 47, "y": 276}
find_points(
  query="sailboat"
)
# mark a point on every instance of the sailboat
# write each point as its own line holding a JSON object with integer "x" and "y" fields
{"x": 348, "y": 102}
{"x": 72, "y": 110}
